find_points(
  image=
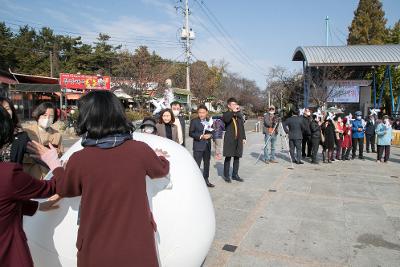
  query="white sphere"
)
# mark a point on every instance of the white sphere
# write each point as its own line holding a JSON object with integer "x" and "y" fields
{"x": 181, "y": 206}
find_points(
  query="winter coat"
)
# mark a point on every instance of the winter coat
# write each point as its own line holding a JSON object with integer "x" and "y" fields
{"x": 370, "y": 127}
{"x": 315, "y": 129}
{"x": 357, "y": 124}
{"x": 347, "y": 137}
{"x": 384, "y": 134}
{"x": 234, "y": 135}
{"x": 270, "y": 123}
{"x": 329, "y": 134}
{"x": 306, "y": 130}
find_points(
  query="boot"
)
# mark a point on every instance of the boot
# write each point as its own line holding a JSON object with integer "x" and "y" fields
{"x": 324, "y": 156}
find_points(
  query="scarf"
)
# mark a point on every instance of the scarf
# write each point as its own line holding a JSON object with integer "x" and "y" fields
{"x": 179, "y": 127}
{"x": 110, "y": 141}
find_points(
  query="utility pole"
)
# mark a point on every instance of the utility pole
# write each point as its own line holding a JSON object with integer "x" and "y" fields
{"x": 188, "y": 52}
{"x": 51, "y": 64}
{"x": 327, "y": 31}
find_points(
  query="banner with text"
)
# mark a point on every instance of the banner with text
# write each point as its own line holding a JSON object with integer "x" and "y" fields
{"x": 83, "y": 82}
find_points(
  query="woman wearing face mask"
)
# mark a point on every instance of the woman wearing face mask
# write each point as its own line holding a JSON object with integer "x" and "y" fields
{"x": 384, "y": 134}
{"x": 148, "y": 126}
{"x": 16, "y": 149}
{"x": 166, "y": 127}
{"x": 42, "y": 132}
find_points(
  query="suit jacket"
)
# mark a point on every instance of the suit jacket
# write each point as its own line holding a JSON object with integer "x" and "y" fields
{"x": 294, "y": 126}
{"x": 16, "y": 190}
{"x": 161, "y": 131}
{"x": 195, "y": 131}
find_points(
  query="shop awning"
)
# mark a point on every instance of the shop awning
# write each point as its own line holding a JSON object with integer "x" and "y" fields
{"x": 36, "y": 88}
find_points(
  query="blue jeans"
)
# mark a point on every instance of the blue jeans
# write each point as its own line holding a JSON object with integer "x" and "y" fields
{"x": 272, "y": 143}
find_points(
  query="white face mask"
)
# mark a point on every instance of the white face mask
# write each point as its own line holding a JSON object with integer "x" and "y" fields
{"x": 358, "y": 117}
{"x": 148, "y": 130}
{"x": 10, "y": 112}
{"x": 176, "y": 112}
{"x": 45, "y": 123}
{"x": 271, "y": 112}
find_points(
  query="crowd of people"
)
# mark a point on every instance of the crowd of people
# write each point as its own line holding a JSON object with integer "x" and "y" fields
{"x": 28, "y": 154}
{"x": 226, "y": 132}
{"x": 340, "y": 136}
{"x": 106, "y": 138}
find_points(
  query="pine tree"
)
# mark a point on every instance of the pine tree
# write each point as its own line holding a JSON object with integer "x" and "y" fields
{"x": 394, "y": 34}
{"x": 368, "y": 25}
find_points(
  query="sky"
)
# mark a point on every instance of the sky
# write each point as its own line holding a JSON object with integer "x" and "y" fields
{"x": 251, "y": 36}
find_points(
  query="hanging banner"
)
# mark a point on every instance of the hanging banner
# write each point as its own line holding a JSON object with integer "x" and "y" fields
{"x": 343, "y": 94}
{"x": 83, "y": 82}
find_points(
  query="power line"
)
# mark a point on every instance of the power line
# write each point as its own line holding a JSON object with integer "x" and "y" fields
{"x": 214, "y": 20}
{"x": 94, "y": 34}
{"x": 222, "y": 44}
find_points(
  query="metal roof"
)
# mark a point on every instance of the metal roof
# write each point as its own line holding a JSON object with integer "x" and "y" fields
{"x": 354, "y": 55}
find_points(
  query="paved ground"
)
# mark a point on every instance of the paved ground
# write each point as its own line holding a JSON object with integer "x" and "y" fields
{"x": 340, "y": 214}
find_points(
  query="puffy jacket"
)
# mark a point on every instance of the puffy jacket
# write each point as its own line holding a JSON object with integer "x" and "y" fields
{"x": 356, "y": 124}
{"x": 384, "y": 135}
{"x": 315, "y": 130}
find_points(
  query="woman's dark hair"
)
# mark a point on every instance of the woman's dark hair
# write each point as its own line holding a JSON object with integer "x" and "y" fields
{"x": 101, "y": 114}
{"x": 41, "y": 109}
{"x": 6, "y": 127}
{"x": 161, "y": 121}
{"x": 14, "y": 112}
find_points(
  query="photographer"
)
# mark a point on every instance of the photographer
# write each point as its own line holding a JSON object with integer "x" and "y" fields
{"x": 270, "y": 130}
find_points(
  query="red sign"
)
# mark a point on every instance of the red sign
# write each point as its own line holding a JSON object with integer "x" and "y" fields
{"x": 77, "y": 81}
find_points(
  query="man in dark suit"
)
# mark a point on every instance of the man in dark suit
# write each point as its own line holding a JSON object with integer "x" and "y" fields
{"x": 200, "y": 131}
{"x": 370, "y": 133}
{"x": 306, "y": 134}
{"x": 294, "y": 126}
{"x": 234, "y": 139}
{"x": 176, "y": 109}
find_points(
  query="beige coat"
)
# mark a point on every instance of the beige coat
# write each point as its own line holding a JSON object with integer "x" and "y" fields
{"x": 161, "y": 131}
{"x": 43, "y": 137}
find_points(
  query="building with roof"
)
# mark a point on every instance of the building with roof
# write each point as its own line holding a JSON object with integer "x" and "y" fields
{"x": 336, "y": 74}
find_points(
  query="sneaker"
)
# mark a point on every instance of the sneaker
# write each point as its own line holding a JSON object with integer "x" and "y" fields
{"x": 273, "y": 161}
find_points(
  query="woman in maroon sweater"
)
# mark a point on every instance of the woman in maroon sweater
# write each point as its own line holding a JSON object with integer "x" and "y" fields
{"x": 116, "y": 223}
{"x": 16, "y": 190}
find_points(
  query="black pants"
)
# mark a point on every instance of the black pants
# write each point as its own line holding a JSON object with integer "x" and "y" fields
{"x": 314, "y": 148}
{"x": 370, "y": 140}
{"x": 306, "y": 142}
{"x": 345, "y": 153}
{"x": 360, "y": 142}
{"x": 227, "y": 165}
{"x": 380, "y": 152}
{"x": 205, "y": 156}
{"x": 295, "y": 143}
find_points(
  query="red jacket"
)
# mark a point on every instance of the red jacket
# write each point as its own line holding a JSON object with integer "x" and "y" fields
{"x": 116, "y": 224}
{"x": 347, "y": 135}
{"x": 16, "y": 190}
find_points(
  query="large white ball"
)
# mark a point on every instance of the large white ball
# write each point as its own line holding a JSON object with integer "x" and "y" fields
{"x": 184, "y": 214}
